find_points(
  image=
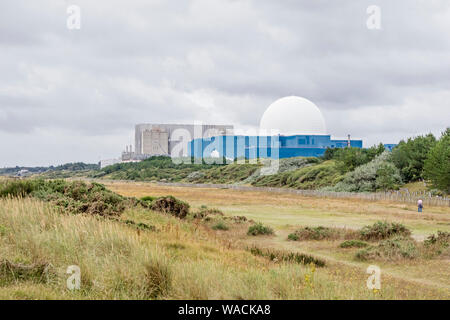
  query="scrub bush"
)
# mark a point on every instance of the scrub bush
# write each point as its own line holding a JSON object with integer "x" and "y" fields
{"x": 259, "y": 229}
{"x": 383, "y": 230}
{"x": 391, "y": 250}
{"x": 172, "y": 205}
{"x": 379, "y": 174}
{"x": 321, "y": 233}
{"x": 353, "y": 244}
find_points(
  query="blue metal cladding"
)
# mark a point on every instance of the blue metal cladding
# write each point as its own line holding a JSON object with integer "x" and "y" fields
{"x": 251, "y": 147}
{"x": 389, "y": 146}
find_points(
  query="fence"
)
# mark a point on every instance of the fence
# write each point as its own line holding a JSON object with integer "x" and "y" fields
{"x": 397, "y": 196}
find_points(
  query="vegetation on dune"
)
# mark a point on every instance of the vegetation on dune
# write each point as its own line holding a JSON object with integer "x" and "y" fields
{"x": 390, "y": 249}
{"x": 160, "y": 168}
{"x": 141, "y": 253}
{"x": 75, "y": 197}
{"x": 259, "y": 229}
{"x": 68, "y": 168}
{"x": 307, "y": 177}
{"x": 230, "y": 173}
{"x": 378, "y": 174}
{"x": 383, "y": 230}
{"x": 321, "y": 233}
{"x": 171, "y": 205}
{"x": 118, "y": 262}
{"x": 348, "y": 159}
{"x": 353, "y": 244}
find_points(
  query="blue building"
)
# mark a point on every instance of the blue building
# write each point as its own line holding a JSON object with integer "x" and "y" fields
{"x": 250, "y": 147}
{"x": 390, "y": 146}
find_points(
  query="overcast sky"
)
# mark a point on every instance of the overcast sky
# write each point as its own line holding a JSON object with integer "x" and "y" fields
{"x": 75, "y": 95}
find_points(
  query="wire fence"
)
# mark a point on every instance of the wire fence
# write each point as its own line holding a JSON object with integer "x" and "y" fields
{"x": 403, "y": 196}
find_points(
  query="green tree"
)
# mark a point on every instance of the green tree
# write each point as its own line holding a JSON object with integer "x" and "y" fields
{"x": 387, "y": 177}
{"x": 409, "y": 156}
{"x": 437, "y": 164}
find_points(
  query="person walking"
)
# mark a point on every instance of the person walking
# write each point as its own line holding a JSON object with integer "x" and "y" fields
{"x": 420, "y": 205}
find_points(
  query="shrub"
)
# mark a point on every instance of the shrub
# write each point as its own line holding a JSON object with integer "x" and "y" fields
{"x": 148, "y": 198}
{"x": 17, "y": 188}
{"x": 383, "y": 230}
{"x": 259, "y": 229}
{"x": 442, "y": 238}
{"x": 220, "y": 226}
{"x": 321, "y": 233}
{"x": 378, "y": 174}
{"x": 390, "y": 249}
{"x": 204, "y": 212}
{"x": 311, "y": 176}
{"x": 171, "y": 205}
{"x": 353, "y": 244}
{"x": 435, "y": 245}
{"x": 75, "y": 197}
{"x": 293, "y": 257}
{"x": 293, "y": 237}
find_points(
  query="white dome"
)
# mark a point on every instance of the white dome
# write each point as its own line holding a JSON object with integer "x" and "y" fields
{"x": 292, "y": 116}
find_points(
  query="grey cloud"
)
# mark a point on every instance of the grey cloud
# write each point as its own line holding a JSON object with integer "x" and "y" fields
{"x": 214, "y": 60}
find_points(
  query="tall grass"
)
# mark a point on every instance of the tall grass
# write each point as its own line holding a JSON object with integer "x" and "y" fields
{"x": 180, "y": 261}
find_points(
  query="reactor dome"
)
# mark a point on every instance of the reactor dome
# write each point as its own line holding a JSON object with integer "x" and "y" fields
{"x": 292, "y": 116}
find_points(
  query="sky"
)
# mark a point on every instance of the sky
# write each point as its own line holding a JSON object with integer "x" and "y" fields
{"x": 70, "y": 95}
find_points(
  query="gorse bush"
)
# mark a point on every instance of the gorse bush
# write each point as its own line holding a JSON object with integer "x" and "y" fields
{"x": 172, "y": 205}
{"x": 321, "y": 233}
{"x": 442, "y": 238}
{"x": 437, "y": 244}
{"x": 383, "y": 230}
{"x": 259, "y": 229}
{"x": 390, "y": 249}
{"x": 75, "y": 197}
{"x": 353, "y": 244}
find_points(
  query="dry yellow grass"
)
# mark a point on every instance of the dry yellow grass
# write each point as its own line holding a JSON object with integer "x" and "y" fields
{"x": 183, "y": 260}
{"x": 285, "y": 212}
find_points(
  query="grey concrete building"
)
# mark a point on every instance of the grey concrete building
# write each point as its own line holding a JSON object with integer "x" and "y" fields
{"x": 166, "y": 139}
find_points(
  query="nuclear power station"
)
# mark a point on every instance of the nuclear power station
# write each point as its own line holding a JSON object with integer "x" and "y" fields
{"x": 161, "y": 139}
{"x": 290, "y": 127}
